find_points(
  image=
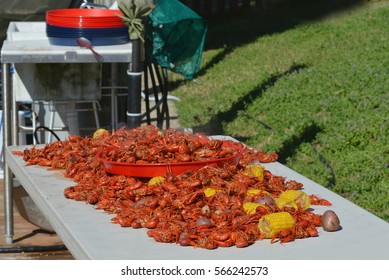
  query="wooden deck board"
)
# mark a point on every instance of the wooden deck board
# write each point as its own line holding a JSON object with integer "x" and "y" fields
{"x": 27, "y": 234}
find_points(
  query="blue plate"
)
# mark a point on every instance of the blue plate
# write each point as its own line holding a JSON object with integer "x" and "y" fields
{"x": 97, "y": 41}
{"x": 65, "y": 32}
{"x": 92, "y": 30}
{"x": 88, "y": 35}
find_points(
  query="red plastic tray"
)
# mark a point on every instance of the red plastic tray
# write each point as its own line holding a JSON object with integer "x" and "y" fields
{"x": 85, "y": 18}
{"x": 161, "y": 169}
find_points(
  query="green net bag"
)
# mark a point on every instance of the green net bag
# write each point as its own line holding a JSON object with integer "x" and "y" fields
{"x": 177, "y": 35}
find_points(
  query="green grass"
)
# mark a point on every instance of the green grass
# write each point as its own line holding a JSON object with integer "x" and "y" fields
{"x": 319, "y": 81}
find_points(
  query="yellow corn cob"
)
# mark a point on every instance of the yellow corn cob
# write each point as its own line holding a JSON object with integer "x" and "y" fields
{"x": 251, "y": 192}
{"x": 254, "y": 171}
{"x": 210, "y": 191}
{"x": 251, "y": 207}
{"x": 99, "y": 132}
{"x": 273, "y": 223}
{"x": 293, "y": 198}
{"x": 156, "y": 180}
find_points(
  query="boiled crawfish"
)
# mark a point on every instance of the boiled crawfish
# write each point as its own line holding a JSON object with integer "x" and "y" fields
{"x": 177, "y": 209}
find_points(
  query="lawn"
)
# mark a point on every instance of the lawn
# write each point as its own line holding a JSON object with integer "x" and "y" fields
{"x": 311, "y": 84}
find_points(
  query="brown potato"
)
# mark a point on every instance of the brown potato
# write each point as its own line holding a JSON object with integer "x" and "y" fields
{"x": 330, "y": 221}
{"x": 266, "y": 200}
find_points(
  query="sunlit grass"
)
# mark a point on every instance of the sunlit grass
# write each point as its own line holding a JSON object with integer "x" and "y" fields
{"x": 322, "y": 84}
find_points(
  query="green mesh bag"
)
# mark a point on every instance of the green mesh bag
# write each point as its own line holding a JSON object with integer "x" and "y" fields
{"x": 177, "y": 35}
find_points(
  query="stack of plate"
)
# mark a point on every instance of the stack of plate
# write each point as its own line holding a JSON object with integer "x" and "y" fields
{"x": 100, "y": 26}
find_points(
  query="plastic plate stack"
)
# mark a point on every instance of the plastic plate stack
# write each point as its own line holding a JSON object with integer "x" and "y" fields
{"x": 100, "y": 26}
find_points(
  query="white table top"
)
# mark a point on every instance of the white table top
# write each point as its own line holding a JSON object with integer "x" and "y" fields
{"x": 89, "y": 234}
{"x": 27, "y": 43}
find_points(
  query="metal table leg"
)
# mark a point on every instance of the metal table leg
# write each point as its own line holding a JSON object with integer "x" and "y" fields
{"x": 114, "y": 93}
{"x": 134, "y": 115}
{"x": 8, "y": 183}
{"x": 165, "y": 91}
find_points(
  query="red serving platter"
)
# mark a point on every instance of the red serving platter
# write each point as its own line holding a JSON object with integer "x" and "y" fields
{"x": 85, "y": 18}
{"x": 161, "y": 169}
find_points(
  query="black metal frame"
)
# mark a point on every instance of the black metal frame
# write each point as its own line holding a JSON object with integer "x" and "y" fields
{"x": 159, "y": 84}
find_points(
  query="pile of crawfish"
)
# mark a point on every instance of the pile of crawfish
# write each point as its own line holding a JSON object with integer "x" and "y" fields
{"x": 175, "y": 208}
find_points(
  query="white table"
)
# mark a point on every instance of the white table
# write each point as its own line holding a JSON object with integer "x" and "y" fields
{"x": 89, "y": 234}
{"x": 27, "y": 43}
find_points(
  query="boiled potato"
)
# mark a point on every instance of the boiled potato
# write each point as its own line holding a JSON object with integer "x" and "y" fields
{"x": 330, "y": 221}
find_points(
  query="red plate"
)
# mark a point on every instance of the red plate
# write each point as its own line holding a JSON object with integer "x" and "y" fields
{"x": 85, "y": 18}
{"x": 84, "y": 24}
{"x": 161, "y": 169}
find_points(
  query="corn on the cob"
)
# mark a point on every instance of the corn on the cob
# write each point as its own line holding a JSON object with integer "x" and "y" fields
{"x": 99, "y": 132}
{"x": 293, "y": 198}
{"x": 254, "y": 171}
{"x": 156, "y": 180}
{"x": 210, "y": 192}
{"x": 273, "y": 223}
{"x": 251, "y": 207}
{"x": 251, "y": 192}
